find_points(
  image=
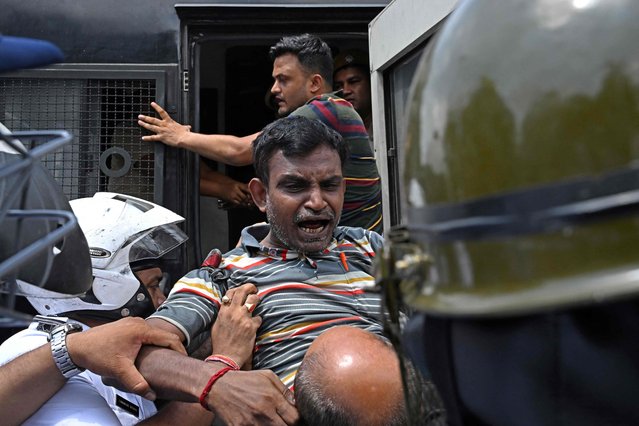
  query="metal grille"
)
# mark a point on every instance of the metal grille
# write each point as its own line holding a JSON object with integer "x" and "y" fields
{"x": 107, "y": 153}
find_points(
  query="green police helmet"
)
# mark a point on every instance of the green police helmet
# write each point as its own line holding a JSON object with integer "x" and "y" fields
{"x": 521, "y": 161}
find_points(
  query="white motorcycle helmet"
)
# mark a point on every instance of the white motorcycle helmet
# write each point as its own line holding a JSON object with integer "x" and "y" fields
{"x": 125, "y": 234}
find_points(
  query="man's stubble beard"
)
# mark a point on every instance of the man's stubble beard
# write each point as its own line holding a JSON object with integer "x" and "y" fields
{"x": 285, "y": 113}
{"x": 275, "y": 227}
{"x": 281, "y": 235}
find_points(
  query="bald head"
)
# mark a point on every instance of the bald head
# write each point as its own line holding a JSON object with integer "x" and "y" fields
{"x": 350, "y": 377}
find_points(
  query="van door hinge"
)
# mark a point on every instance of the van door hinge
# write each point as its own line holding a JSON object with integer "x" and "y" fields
{"x": 185, "y": 80}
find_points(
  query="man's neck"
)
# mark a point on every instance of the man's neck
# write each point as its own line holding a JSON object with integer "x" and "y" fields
{"x": 271, "y": 242}
{"x": 266, "y": 243}
{"x": 326, "y": 90}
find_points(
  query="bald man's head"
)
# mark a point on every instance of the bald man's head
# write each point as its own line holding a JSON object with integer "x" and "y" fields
{"x": 350, "y": 377}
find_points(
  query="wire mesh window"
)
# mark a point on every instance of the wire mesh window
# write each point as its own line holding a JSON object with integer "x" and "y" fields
{"x": 107, "y": 153}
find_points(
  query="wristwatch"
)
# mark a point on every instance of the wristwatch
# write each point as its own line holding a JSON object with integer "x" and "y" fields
{"x": 58, "y": 337}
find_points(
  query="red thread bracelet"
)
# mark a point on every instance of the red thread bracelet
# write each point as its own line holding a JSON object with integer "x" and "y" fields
{"x": 211, "y": 382}
{"x": 224, "y": 360}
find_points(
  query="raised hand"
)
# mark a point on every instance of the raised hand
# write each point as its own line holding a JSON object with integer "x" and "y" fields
{"x": 233, "y": 333}
{"x": 110, "y": 350}
{"x": 167, "y": 130}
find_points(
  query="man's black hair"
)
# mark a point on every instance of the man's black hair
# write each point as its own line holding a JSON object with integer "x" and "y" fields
{"x": 296, "y": 137}
{"x": 313, "y": 53}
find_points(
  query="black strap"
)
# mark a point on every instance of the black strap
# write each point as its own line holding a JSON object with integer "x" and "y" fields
{"x": 533, "y": 210}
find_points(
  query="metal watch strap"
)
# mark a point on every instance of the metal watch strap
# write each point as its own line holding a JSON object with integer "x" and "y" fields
{"x": 59, "y": 349}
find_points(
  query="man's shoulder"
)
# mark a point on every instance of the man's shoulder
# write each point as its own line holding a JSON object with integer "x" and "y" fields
{"x": 236, "y": 256}
{"x": 360, "y": 236}
{"x": 215, "y": 258}
{"x": 249, "y": 243}
{"x": 328, "y": 101}
{"x": 335, "y": 112}
{"x": 359, "y": 232}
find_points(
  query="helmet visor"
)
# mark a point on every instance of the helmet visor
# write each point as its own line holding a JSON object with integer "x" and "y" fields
{"x": 156, "y": 243}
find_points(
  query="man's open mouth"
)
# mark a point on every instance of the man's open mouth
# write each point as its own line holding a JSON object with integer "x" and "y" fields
{"x": 313, "y": 226}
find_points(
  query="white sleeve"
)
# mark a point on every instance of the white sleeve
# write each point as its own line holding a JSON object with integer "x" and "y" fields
{"x": 83, "y": 400}
{"x": 77, "y": 403}
{"x": 21, "y": 343}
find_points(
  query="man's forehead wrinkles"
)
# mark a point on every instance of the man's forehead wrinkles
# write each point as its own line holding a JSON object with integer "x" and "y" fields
{"x": 291, "y": 177}
{"x": 299, "y": 177}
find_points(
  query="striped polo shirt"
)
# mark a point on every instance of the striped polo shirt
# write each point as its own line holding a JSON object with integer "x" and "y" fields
{"x": 363, "y": 198}
{"x": 301, "y": 294}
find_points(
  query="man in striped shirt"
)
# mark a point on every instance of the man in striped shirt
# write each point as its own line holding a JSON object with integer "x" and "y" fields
{"x": 303, "y": 79}
{"x": 310, "y": 276}
{"x": 310, "y": 273}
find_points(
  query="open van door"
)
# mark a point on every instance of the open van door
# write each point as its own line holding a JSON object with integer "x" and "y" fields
{"x": 226, "y": 74}
{"x": 394, "y": 57}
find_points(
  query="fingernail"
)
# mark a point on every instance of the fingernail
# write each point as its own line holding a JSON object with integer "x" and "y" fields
{"x": 150, "y": 395}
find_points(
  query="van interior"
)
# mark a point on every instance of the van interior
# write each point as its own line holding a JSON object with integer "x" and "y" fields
{"x": 234, "y": 77}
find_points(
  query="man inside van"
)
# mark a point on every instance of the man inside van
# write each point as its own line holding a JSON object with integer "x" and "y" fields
{"x": 352, "y": 80}
{"x": 303, "y": 74}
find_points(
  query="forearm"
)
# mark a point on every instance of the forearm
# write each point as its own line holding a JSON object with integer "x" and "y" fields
{"x": 213, "y": 184}
{"x": 34, "y": 370}
{"x": 165, "y": 326}
{"x": 238, "y": 397}
{"x": 174, "y": 376}
{"x": 232, "y": 150}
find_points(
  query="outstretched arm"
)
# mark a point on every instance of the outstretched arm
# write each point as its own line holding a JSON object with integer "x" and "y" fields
{"x": 108, "y": 350}
{"x": 233, "y": 150}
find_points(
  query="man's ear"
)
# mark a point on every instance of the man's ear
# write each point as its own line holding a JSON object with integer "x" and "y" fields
{"x": 316, "y": 84}
{"x": 258, "y": 192}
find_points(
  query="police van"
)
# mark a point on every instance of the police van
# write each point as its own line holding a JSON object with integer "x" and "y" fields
{"x": 207, "y": 64}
